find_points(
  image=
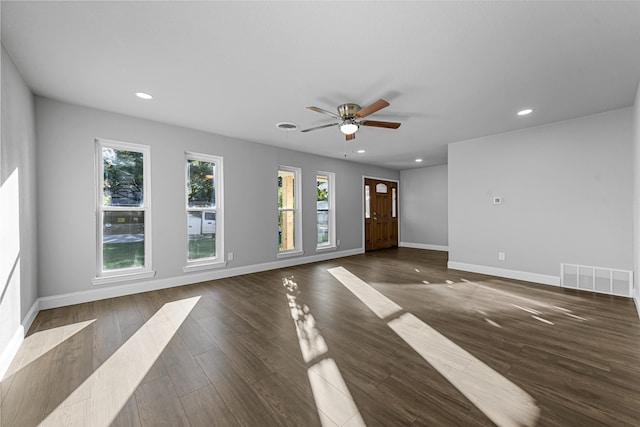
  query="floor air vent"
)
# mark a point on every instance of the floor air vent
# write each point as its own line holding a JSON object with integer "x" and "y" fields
{"x": 597, "y": 279}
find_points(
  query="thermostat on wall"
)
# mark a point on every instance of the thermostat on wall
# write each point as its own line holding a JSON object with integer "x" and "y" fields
{"x": 497, "y": 200}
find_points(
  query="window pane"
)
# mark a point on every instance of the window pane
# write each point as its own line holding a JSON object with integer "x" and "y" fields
{"x": 285, "y": 230}
{"x": 286, "y": 189}
{"x": 393, "y": 202}
{"x": 322, "y": 209}
{"x": 322, "y": 186}
{"x": 201, "y": 228}
{"x": 367, "y": 202}
{"x": 123, "y": 240}
{"x": 200, "y": 185}
{"x": 123, "y": 177}
{"x": 323, "y": 227}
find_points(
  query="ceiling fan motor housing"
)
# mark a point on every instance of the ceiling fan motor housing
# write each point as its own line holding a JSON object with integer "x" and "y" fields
{"x": 348, "y": 111}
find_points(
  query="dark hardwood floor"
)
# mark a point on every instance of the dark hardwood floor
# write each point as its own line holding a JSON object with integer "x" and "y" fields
{"x": 229, "y": 353}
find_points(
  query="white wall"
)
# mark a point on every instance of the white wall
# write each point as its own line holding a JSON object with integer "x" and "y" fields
{"x": 423, "y": 208}
{"x": 636, "y": 198}
{"x": 67, "y": 260}
{"x": 18, "y": 244}
{"x": 567, "y": 197}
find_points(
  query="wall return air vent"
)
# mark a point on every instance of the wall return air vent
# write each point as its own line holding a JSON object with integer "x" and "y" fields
{"x": 597, "y": 279}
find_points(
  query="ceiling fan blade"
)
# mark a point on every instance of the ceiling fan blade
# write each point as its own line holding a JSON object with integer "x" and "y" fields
{"x": 375, "y": 123}
{"x": 350, "y": 136}
{"x": 321, "y": 127}
{"x": 320, "y": 110}
{"x": 372, "y": 108}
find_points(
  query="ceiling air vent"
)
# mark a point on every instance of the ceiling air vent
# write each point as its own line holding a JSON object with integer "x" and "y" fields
{"x": 286, "y": 126}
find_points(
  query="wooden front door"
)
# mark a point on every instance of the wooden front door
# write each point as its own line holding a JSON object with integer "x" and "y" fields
{"x": 380, "y": 214}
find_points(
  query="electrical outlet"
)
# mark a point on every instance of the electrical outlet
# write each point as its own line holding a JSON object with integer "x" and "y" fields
{"x": 501, "y": 256}
{"x": 338, "y": 243}
{"x": 230, "y": 256}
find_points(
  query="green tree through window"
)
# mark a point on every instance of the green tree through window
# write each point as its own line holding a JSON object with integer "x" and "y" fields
{"x": 122, "y": 207}
{"x": 201, "y": 184}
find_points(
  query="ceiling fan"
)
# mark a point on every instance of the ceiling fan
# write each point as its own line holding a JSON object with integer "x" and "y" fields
{"x": 349, "y": 115}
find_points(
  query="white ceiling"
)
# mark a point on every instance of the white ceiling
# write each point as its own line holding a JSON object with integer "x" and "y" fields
{"x": 451, "y": 70}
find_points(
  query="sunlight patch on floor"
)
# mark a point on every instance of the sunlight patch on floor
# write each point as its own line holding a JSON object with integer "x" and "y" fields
{"x": 527, "y": 309}
{"x": 540, "y": 319}
{"x": 382, "y": 306}
{"x": 492, "y": 323}
{"x": 39, "y": 343}
{"x": 101, "y": 397}
{"x": 574, "y": 316}
{"x": 312, "y": 343}
{"x": 334, "y": 403}
{"x": 508, "y": 294}
{"x": 535, "y": 313}
{"x": 333, "y": 399}
{"x": 498, "y": 398}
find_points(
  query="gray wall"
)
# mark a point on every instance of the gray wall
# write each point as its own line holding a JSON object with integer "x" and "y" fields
{"x": 636, "y": 198}
{"x": 567, "y": 196}
{"x": 423, "y": 207}
{"x": 18, "y": 244}
{"x": 66, "y": 185}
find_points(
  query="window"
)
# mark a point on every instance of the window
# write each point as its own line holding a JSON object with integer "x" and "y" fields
{"x": 325, "y": 213}
{"x": 204, "y": 210}
{"x": 123, "y": 211}
{"x": 289, "y": 215}
{"x": 367, "y": 202}
{"x": 393, "y": 202}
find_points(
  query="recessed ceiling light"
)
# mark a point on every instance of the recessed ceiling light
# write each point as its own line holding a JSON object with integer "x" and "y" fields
{"x": 418, "y": 160}
{"x": 525, "y": 112}
{"x": 143, "y": 95}
{"x": 360, "y": 151}
{"x": 286, "y": 126}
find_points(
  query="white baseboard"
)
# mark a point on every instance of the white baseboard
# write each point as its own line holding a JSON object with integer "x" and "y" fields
{"x": 186, "y": 279}
{"x": 637, "y": 301}
{"x": 10, "y": 351}
{"x": 503, "y": 272}
{"x": 424, "y": 246}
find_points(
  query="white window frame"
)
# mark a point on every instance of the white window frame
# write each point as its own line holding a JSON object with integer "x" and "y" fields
{"x": 331, "y": 244}
{"x": 219, "y": 260}
{"x": 133, "y": 273}
{"x": 297, "y": 213}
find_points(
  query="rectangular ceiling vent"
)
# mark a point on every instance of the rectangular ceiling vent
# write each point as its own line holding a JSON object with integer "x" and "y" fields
{"x": 597, "y": 279}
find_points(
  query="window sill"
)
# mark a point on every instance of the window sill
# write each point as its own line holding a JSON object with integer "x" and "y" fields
{"x": 326, "y": 248}
{"x": 125, "y": 277}
{"x": 204, "y": 266}
{"x": 288, "y": 254}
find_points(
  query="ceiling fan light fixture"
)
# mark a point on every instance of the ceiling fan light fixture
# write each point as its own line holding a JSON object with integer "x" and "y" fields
{"x": 349, "y": 126}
